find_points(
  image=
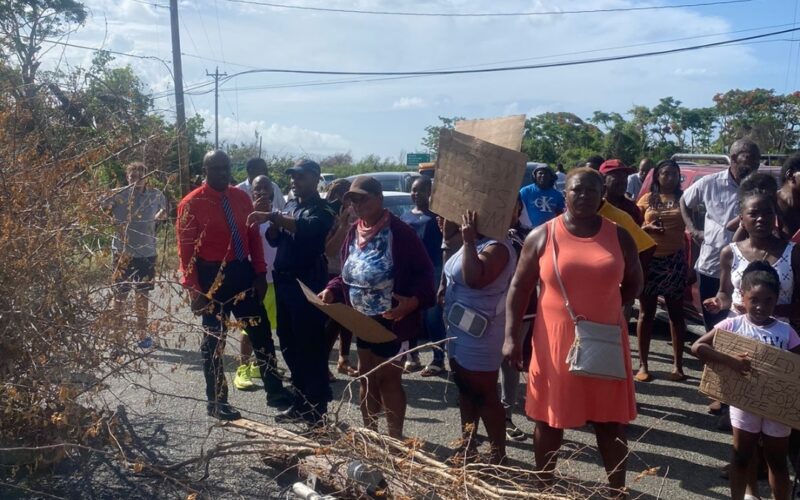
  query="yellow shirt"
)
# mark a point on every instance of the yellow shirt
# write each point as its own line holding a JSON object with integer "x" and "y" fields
{"x": 643, "y": 240}
{"x": 668, "y": 210}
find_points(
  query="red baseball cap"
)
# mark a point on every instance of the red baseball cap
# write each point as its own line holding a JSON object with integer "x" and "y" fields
{"x": 609, "y": 166}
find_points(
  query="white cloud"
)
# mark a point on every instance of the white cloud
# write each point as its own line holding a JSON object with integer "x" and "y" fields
{"x": 409, "y": 103}
{"x": 690, "y": 72}
{"x": 276, "y": 137}
{"x": 322, "y": 116}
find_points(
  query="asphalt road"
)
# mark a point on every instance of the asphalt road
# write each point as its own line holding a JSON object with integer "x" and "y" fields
{"x": 164, "y": 411}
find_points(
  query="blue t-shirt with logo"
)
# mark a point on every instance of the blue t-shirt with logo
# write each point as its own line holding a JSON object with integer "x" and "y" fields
{"x": 541, "y": 205}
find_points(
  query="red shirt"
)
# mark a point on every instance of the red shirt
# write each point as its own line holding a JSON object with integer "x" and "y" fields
{"x": 203, "y": 231}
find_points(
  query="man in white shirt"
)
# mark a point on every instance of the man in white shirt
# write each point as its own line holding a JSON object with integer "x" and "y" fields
{"x": 256, "y": 167}
{"x": 719, "y": 193}
{"x": 262, "y": 194}
{"x": 561, "y": 177}
{"x": 636, "y": 179}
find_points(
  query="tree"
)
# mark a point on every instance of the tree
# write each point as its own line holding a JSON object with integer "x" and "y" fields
{"x": 25, "y": 25}
{"x": 699, "y": 122}
{"x": 338, "y": 159}
{"x": 607, "y": 120}
{"x": 431, "y": 139}
{"x": 760, "y": 114}
{"x": 665, "y": 121}
{"x": 548, "y": 135}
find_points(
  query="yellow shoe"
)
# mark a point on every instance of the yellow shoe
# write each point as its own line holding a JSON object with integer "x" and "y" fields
{"x": 242, "y": 379}
{"x": 254, "y": 371}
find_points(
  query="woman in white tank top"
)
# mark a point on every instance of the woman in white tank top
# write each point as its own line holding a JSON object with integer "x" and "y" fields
{"x": 758, "y": 218}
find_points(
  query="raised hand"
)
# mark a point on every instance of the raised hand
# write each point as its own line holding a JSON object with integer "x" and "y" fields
{"x": 469, "y": 227}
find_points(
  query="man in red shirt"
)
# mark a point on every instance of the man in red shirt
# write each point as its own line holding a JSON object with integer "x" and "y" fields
{"x": 222, "y": 266}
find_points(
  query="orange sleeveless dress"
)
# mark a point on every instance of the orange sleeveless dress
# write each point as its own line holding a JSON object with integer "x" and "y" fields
{"x": 591, "y": 269}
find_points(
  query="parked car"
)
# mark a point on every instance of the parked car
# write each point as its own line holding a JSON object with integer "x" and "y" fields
{"x": 397, "y": 202}
{"x": 691, "y": 172}
{"x": 393, "y": 181}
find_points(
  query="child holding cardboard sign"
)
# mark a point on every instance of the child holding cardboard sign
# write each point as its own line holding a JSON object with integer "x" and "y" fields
{"x": 760, "y": 287}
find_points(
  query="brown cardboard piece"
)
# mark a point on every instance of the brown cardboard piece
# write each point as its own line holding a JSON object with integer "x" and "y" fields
{"x": 506, "y": 131}
{"x": 473, "y": 174}
{"x": 361, "y": 325}
{"x": 771, "y": 389}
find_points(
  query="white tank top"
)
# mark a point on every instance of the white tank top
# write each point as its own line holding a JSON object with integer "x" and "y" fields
{"x": 783, "y": 266}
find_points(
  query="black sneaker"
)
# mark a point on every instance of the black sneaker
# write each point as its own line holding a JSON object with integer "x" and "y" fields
{"x": 222, "y": 411}
{"x": 513, "y": 432}
{"x": 279, "y": 398}
{"x": 289, "y": 416}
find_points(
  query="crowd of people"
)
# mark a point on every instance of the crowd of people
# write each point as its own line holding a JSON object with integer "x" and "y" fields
{"x": 582, "y": 246}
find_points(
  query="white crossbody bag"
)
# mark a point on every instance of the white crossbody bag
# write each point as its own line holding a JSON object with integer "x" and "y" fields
{"x": 597, "y": 349}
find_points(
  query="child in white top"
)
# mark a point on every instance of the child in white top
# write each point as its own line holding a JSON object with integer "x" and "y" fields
{"x": 760, "y": 287}
{"x": 248, "y": 370}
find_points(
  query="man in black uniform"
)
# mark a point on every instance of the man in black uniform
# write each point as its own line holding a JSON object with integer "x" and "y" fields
{"x": 299, "y": 232}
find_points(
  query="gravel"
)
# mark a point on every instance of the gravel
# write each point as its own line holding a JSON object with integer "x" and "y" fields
{"x": 163, "y": 409}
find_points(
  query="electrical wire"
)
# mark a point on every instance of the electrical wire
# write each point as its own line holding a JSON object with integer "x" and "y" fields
{"x": 588, "y": 51}
{"x": 319, "y": 83}
{"x": 484, "y": 14}
{"x": 98, "y": 49}
{"x": 405, "y": 75}
{"x": 555, "y": 64}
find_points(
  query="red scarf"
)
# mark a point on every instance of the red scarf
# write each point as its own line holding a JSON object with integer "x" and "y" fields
{"x": 365, "y": 234}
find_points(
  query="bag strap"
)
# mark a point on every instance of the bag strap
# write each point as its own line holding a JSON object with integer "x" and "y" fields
{"x": 552, "y": 234}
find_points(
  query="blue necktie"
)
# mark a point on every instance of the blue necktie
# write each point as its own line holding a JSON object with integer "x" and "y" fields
{"x": 238, "y": 245}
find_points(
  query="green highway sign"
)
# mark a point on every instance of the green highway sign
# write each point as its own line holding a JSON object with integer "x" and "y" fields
{"x": 414, "y": 159}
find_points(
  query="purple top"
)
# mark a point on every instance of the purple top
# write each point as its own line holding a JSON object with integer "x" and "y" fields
{"x": 413, "y": 275}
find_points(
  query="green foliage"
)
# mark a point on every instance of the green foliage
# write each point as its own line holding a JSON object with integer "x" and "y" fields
{"x": 370, "y": 163}
{"x": 549, "y": 134}
{"x": 772, "y": 120}
{"x": 431, "y": 140}
{"x": 24, "y": 25}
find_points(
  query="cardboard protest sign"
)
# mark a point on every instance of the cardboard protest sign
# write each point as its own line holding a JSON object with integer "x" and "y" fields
{"x": 506, "y": 131}
{"x": 771, "y": 389}
{"x": 477, "y": 175}
{"x": 362, "y": 326}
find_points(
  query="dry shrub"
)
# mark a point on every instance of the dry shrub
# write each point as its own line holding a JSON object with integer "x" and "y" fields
{"x": 54, "y": 312}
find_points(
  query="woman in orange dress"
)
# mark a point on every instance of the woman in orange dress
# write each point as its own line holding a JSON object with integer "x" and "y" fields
{"x": 600, "y": 270}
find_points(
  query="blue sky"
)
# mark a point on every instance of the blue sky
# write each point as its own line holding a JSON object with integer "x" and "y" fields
{"x": 388, "y": 117}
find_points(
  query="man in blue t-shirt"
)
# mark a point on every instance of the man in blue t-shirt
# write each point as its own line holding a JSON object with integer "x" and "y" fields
{"x": 542, "y": 201}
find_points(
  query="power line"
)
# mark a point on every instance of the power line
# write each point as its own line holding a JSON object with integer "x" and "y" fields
{"x": 321, "y": 83}
{"x": 556, "y": 64}
{"x": 484, "y": 14}
{"x": 548, "y": 56}
{"x": 742, "y": 41}
{"x": 152, "y": 4}
{"x": 78, "y": 46}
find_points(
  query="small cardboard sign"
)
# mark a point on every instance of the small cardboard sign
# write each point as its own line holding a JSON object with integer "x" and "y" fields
{"x": 771, "y": 389}
{"x": 361, "y": 325}
{"x": 473, "y": 174}
{"x": 506, "y": 131}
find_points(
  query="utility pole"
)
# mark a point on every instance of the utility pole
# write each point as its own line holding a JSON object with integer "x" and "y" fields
{"x": 216, "y": 74}
{"x": 180, "y": 108}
